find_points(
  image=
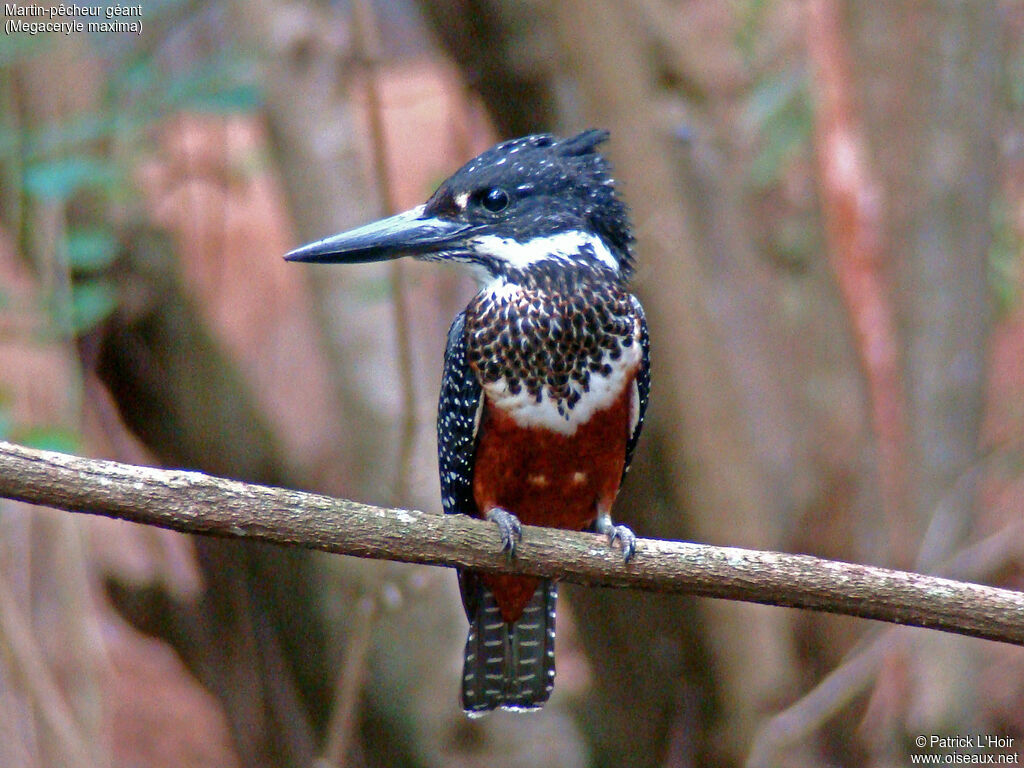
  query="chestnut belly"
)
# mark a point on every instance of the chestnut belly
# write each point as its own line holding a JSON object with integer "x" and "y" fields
{"x": 547, "y": 478}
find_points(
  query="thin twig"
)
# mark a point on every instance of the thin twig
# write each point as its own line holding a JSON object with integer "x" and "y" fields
{"x": 196, "y": 503}
{"x": 348, "y": 688}
{"x": 349, "y": 685}
{"x": 18, "y": 642}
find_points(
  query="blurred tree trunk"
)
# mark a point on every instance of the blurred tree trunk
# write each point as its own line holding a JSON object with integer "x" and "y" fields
{"x": 931, "y": 73}
{"x": 934, "y": 132}
{"x": 182, "y": 398}
{"x": 307, "y": 79}
{"x": 61, "y": 614}
{"x": 313, "y": 86}
{"x": 507, "y": 53}
{"x": 258, "y": 637}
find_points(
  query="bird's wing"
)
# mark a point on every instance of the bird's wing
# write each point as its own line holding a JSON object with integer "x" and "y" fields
{"x": 458, "y": 419}
{"x": 458, "y": 422}
{"x": 642, "y": 386}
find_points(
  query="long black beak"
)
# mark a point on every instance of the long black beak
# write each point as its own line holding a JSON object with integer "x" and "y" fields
{"x": 405, "y": 234}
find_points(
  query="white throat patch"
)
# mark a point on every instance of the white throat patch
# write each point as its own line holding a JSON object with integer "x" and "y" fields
{"x": 563, "y": 246}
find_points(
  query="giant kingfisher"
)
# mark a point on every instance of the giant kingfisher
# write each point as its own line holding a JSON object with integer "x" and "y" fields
{"x": 546, "y": 375}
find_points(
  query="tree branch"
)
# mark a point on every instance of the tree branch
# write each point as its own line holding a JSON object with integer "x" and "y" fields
{"x": 192, "y": 502}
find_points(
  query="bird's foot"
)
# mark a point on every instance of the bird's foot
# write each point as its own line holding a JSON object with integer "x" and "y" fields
{"x": 625, "y": 537}
{"x": 509, "y": 528}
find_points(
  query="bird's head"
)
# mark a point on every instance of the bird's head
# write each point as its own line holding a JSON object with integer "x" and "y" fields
{"x": 535, "y": 204}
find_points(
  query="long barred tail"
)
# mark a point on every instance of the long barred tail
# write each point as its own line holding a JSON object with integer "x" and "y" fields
{"x": 511, "y": 666}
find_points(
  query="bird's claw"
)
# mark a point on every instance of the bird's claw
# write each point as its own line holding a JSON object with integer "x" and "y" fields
{"x": 625, "y": 537}
{"x": 509, "y": 528}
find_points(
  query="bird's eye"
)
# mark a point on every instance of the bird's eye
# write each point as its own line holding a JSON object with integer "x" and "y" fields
{"x": 495, "y": 200}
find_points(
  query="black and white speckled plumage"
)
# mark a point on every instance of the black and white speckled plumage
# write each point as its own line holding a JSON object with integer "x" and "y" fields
{"x": 458, "y": 413}
{"x": 508, "y": 665}
{"x": 643, "y": 384}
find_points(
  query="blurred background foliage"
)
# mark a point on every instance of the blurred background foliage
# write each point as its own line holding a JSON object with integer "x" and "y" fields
{"x": 829, "y": 207}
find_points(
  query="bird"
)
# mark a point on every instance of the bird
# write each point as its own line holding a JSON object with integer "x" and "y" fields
{"x": 546, "y": 376}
